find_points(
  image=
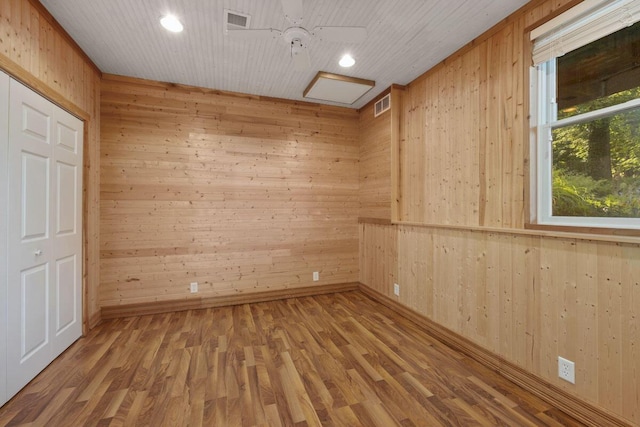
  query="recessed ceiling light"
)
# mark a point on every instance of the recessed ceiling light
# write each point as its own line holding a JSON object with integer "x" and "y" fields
{"x": 171, "y": 23}
{"x": 347, "y": 61}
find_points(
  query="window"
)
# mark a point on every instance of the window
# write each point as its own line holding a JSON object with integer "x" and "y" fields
{"x": 586, "y": 116}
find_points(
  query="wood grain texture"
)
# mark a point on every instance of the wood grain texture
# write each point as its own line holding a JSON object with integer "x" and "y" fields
{"x": 527, "y": 299}
{"x": 239, "y": 193}
{"x": 375, "y": 163}
{"x": 557, "y": 397}
{"x": 460, "y": 163}
{"x": 339, "y": 359}
{"x": 157, "y": 307}
{"x": 469, "y": 265}
{"x": 465, "y": 131}
{"x": 35, "y": 50}
{"x": 397, "y": 134}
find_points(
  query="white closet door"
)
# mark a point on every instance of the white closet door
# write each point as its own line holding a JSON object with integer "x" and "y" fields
{"x": 44, "y": 234}
{"x": 4, "y": 142}
{"x": 67, "y": 229}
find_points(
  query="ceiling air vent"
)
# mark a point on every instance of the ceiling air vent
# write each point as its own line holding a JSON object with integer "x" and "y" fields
{"x": 235, "y": 20}
{"x": 382, "y": 105}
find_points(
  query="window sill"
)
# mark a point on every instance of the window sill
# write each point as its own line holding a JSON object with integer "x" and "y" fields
{"x": 627, "y": 235}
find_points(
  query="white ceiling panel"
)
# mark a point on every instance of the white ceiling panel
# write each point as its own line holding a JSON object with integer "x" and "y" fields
{"x": 405, "y": 39}
{"x": 337, "y": 88}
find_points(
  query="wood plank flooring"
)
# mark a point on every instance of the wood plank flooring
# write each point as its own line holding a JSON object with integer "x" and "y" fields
{"x": 333, "y": 360}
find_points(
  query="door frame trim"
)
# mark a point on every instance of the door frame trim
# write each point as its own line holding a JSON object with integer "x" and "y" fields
{"x": 4, "y": 270}
{"x": 23, "y": 76}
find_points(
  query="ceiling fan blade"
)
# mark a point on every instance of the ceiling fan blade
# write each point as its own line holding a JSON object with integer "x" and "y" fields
{"x": 341, "y": 34}
{"x": 292, "y": 10}
{"x": 266, "y": 33}
{"x": 300, "y": 58}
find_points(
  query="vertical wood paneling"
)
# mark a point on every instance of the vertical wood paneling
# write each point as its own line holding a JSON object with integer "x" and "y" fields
{"x": 411, "y": 149}
{"x": 397, "y": 101}
{"x": 378, "y": 257}
{"x": 547, "y": 321}
{"x": 464, "y": 163}
{"x": 375, "y": 164}
{"x": 534, "y": 298}
{"x": 587, "y": 313}
{"x": 528, "y": 298}
{"x": 630, "y": 324}
{"x": 610, "y": 294}
{"x": 33, "y": 48}
{"x": 238, "y": 193}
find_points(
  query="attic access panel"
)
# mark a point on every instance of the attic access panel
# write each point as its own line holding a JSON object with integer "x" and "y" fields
{"x": 337, "y": 88}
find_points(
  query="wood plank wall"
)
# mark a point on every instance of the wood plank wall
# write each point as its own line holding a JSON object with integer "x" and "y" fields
{"x": 375, "y": 164}
{"x": 239, "y": 193}
{"x": 527, "y": 298}
{"x": 464, "y": 132}
{"x": 34, "y": 49}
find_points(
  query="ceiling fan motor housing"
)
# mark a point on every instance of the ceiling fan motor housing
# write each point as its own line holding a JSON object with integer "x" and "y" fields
{"x": 296, "y": 37}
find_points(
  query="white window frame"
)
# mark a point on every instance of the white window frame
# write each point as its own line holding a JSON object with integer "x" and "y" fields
{"x": 552, "y": 40}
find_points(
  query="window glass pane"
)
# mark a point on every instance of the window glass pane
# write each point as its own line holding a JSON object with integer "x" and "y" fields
{"x": 603, "y": 73}
{"x": 596, "y": 167}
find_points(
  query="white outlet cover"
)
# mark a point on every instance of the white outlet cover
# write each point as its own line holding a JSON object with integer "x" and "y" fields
{"x": 566, "y": 370}
{"x": 396, "y": 289}
{"x": 316, "y": 276}
{"x": 194, "y": 287}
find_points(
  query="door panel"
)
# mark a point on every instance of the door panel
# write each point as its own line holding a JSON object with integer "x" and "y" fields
{"x": 67, "y": 287}
{"x": 67, "y": 143}
{"x": 67, "y": 203}
{"x": 34, "y": 301}
{"x": 67, "y": 137}
{"x": 44, "y": 273}
{"x": 34, "y": 197}
{"x": 30, "y": 257}
{"x": 35, "y": 122}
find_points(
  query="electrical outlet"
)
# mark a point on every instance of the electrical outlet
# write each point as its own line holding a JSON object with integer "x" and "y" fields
{"x": 567, "y": 370}
{"x": 396, "y": 289}
{"x": 316, "y": 276}
{"x": 194, "y": 287}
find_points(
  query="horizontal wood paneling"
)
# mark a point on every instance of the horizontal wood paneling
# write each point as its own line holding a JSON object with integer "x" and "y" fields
{"x": 240, "y": 193}
{"x": 156, "y": 307}
{"x": 526, "y": 296}
{"x": 34, "y": 49}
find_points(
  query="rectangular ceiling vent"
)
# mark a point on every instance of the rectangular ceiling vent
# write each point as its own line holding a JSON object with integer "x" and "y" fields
{"x": 382, "y": 105}
{"x": 235, "y": 20}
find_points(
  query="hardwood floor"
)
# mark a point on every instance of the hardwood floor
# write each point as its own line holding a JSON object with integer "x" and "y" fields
{"x": 336, "y": 360}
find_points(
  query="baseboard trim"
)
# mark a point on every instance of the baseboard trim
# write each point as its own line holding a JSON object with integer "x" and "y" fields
{"x": 157, "y": 307}
{"x": 94, "y": 319}
{"x": 583, "y": 411}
